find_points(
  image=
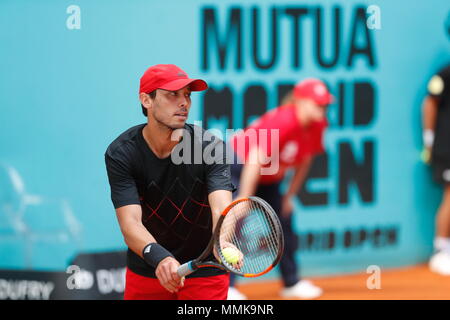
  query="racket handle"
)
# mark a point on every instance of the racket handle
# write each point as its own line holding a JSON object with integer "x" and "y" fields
{"x": 185, "y": 269}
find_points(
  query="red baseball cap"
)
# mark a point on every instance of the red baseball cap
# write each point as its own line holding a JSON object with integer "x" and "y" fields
{"x": 168, "y": 77}
{"x": 313, "y": 89}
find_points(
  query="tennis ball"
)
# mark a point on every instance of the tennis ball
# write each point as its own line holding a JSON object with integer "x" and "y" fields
{"x": 231, "y": 255}
{"x": 436, "y": 85}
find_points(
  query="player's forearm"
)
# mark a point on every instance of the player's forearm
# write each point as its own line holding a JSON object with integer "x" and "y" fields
{"x": 299, "y": 177}
{"x": 218, "y": 201}
{"x": 250, "y": 174}
{"x": 249, "y": 180}
{"x": 137, "y": 237}
{"x": 429, "y": 113}
{"x": 430, "y": 110}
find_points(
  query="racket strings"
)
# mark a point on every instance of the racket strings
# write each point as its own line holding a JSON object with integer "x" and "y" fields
{"x": 251, "y": 229}
{"x": 260, "y": 244}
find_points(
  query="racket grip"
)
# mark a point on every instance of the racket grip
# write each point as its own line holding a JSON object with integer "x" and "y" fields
{"x": 185, "y": 269}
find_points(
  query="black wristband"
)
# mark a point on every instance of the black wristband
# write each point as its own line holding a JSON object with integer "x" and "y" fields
{"x": 153, "y": 253}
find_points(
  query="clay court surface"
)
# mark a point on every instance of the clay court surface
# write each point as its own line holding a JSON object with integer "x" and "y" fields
{"x": 412, "y": 283}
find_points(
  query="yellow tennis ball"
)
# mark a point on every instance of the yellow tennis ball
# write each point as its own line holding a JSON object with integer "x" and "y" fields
{"x": 436, "y": 85}
{"x": 231, "y": 255}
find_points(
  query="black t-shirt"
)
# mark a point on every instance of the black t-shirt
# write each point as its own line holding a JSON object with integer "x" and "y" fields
{"x": 439, "y": 87}
{"x": 173, "y": 195}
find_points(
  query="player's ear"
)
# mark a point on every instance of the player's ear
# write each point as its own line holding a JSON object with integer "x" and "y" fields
{"x": 147, "y": 100}
{"x": 145, "y": 103}
{"x": 144, "y": 98}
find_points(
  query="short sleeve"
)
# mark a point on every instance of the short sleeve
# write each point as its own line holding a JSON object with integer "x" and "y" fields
{"x": 268, "y": 132}
{"x": 218, "y": 173}
{"x": 123, "y": 186}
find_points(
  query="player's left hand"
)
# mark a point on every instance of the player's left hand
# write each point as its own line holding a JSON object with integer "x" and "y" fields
{"x": 166, "y": 272}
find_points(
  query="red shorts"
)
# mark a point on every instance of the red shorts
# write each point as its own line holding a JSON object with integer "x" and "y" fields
{"x": 205, "y": 288}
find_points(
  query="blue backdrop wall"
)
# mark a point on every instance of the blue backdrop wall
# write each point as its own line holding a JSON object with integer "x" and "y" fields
{"x": 68, "y": 86}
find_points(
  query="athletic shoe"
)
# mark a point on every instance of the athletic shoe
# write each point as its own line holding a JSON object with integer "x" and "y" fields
{"x": 440, "y": 263}
{"x": 303, "y": 289}
{"x": 235, "y": 294}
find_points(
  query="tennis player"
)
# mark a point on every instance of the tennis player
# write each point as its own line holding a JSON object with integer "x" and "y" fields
{"x": 436, "y": 139}
{"x": 300, "y": 123}
{"x": 166, "y": 209}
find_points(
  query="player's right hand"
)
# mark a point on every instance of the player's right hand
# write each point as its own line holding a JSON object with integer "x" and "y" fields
{"x": 166, "y": 272}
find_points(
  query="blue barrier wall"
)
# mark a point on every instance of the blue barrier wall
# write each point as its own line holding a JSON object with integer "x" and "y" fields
{"x": 68, "y": 86}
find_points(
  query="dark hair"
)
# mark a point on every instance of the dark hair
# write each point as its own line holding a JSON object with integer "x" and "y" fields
{"x": 152, "y": 96}
{"x": 288, "y": 98}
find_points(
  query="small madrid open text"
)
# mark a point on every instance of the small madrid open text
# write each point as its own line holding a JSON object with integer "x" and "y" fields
{"x": 205, "y": 311}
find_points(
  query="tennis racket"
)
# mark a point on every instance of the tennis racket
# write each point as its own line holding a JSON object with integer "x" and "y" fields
{"x": 251, "y": 227}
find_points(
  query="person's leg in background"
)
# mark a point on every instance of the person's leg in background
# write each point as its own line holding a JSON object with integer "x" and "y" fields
{"x": 440, "y": 261}
{"x": 288, "y": 266}
{"x": 294, "y": 286}
{"x": 443, "y": 221}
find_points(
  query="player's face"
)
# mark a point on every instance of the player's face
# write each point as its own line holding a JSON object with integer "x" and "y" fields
{"x": 312, "y": 111}
{"x": 171, "y": 108}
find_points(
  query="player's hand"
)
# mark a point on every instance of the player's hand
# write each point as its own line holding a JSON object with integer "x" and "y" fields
{"x": 166, "y": 272}
{"x": 286, "y": 206}
{"x": 425, "y": 155}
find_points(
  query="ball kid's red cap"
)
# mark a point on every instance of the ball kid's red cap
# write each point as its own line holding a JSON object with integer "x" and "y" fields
{"x": 168, "y": 77}
{"x": 315, "y": 90}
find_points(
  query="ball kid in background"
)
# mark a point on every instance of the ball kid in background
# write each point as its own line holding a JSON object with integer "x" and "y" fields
{"x": 259, "y": 166}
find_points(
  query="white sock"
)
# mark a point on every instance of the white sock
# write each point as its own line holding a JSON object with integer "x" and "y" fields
{"x": 442, "y": 244}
